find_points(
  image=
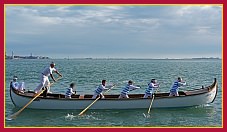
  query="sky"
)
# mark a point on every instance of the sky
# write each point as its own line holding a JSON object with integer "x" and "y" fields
{"x": 114, "y": 31}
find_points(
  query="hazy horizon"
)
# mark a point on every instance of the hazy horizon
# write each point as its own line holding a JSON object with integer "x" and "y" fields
{"x": 89, "y": 57}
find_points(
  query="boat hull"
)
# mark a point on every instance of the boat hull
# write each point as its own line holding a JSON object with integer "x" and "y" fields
{"x": 202, "y": 96}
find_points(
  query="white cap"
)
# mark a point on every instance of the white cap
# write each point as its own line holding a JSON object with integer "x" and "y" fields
{"x": 15, "y": 77}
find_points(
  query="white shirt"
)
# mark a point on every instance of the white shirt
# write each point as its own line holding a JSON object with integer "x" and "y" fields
{"x": 48, "y": 70}
{"x": 15, "y": 85}
{"x": 18, "y": 86}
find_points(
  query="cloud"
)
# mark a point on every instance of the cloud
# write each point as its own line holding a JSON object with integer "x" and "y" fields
{"x": 113, "y": 7}
{"x": 137, "y": 28}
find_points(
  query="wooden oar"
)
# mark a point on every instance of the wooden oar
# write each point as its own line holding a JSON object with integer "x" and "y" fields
{"x": 13, "y": 116}
{"x": 81, "y": 113}
{"x": 149, "y": 109}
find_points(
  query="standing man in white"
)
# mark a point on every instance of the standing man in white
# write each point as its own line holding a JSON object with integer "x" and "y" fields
{"x": 44, "y": 81}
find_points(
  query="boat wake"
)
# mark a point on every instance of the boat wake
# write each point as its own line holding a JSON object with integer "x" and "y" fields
{"x": 203, "y": 106}
{"x": 71, "y": 117}
{"x": 146, "y": 116}
{"x": 206, "y": 105}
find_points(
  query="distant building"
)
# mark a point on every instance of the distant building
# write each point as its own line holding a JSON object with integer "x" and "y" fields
{"x": 25, "y": 57}
{"x": 12, "y": 55}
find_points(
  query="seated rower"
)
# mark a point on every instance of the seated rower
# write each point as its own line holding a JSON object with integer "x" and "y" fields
{"x": 150, "y": 89}
{"x": 100, "y": 89}
{"x": 178, "y": 83}
{"x": 16, "y": 85}
{"x": 69, "y": 91}
{"x": 128, "y": 87}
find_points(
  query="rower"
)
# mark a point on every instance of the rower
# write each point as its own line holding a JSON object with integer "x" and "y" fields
{"x": 16, "y": 85}
{"x": 150, "y": 89}
{"x": 127, "y": 88}
{"x": 178, "y": 83}
{"x": 70, "y": 91}
{"x": 100, "y": 89}
{"x": 44, "y": 81}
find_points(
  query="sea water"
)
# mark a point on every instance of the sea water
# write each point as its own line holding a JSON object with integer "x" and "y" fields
{"x": 88, "y": 73}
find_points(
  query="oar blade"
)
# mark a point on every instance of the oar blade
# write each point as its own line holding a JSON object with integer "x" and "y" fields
{"x": 9, "y": 118}
{"x": 12, "y": 117}
{"x": 144, "y": 115}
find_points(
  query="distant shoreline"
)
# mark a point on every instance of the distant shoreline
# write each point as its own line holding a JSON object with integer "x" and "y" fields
{"x": 25, "y": 57}
{"x": 48, "y": 58}
{"x": 135, "y": 58}
{"x": 203, "y": 58}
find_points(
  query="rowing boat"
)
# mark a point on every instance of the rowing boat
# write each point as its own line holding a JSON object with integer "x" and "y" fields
{"x": 195, "y": 97}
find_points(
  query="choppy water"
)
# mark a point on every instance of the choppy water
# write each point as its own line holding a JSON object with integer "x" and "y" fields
{"x": 87, "y": 74}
